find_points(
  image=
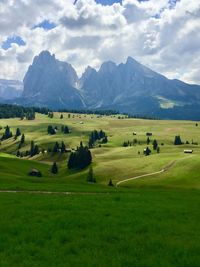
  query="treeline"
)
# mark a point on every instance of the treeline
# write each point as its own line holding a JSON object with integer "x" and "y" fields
{"x": 144, "y": 117}
{"x": 14, "y": 111}
{"x": 90, "y": 112}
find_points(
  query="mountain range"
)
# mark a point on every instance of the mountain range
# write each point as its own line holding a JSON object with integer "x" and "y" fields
{"x": 128, "y": 87}
{"x": 10, "y": 89}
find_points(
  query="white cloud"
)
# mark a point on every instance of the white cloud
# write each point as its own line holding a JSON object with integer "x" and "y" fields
{"x": 163, "y": 37}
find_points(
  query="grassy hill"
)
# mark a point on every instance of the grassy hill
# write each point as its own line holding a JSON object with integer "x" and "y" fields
{"x": 150, "y": 221}
{"x": 111, "y": 160}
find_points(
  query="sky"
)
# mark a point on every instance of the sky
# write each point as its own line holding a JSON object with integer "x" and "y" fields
{"x": 163, "y": 35}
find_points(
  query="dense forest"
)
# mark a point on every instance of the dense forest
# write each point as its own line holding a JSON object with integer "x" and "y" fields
{"x": 14, "y": 111}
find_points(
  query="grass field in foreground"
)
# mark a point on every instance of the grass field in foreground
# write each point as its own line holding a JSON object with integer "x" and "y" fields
{"x": 142, "y": 228}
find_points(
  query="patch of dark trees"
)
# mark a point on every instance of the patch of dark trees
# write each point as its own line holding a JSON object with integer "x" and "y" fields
{"x": 99, "y": 136}
{"x": 178, "y": 141}
{"x": 14, "y": 111}
{"x": 53, "y": 129}
{"x": 80, "y": 158}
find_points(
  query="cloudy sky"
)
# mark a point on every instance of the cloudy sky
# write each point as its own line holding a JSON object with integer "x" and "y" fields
{"x": 162, "y": 34}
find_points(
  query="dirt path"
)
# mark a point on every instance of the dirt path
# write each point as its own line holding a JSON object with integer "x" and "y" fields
{"x": 166, "y": 168}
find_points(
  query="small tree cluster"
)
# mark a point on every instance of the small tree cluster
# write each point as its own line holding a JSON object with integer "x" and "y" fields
{"x": 7, "y": 134}
{"x": 50, "y": 115}
{"x": 34, "y": 150}
{"x": 81, "y": 158}
{"x": 130, "y": 143}
{"x": 51, "y": 130}
{"x": 58, "y": 148}
{"x": 30, "y": 115}
{"x": 95, "y": 135}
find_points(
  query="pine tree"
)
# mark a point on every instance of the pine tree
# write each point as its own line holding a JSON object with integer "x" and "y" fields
{"x": 32, "y": 149}
{"x": 56, "y": 148}
{"x": 66, "y": 130}
{"x": 36, "y": 150}
{"x": 54, "y": 168}
{"x": 61, "y": 116}
{"x": 147, "y": 152}
{"x": 177, "y": 140}
{"x": 155, "y": 144}
{"x": 18, "y": 132}
{"x": 148, "y": 140}
{"x": 22, "y": 141}
{"x": 110, "y": 183}
{"x": 51, "y": 130}
{"x": 90, "y": 177}
{"x": 63, "y": 147}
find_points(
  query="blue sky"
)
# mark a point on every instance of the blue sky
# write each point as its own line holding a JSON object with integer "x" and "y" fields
{"x": 13, "y": 40}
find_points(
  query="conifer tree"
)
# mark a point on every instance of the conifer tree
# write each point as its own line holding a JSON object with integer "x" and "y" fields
{"x": 7, "y": 134}
{"x": 63, "y": 147}
{"x": 177, "y": 140}
{"x": 66, "y": 130}
{"x": 155, "y": 144}
{"x": 56, "y": 148}
{"x": 147, "y": 152}
{"x": 36, "y": 150}
{"x": 81, "y": 158}
{"x": 110, "y": 183}
{"x": 54, "y": 168}
{"x": 148, "y": 140}
{"x": 18, "y": 132}
{"x": 32, "y": 149}
{"x": 90, "y": 177}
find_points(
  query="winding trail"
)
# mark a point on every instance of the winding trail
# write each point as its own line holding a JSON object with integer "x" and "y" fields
{"x": 93, "y": 193}
{"x": 153, "y": 173}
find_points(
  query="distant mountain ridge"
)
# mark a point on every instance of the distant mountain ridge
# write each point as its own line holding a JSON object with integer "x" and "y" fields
{"x": 128, "y": 87}
{"x": 10, "y": 89}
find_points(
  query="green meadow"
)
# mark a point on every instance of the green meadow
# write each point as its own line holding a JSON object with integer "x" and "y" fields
{"x": 149, "y": 221}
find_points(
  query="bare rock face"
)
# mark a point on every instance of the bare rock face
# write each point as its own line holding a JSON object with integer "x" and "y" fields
{"x": 128, "y": 87}
{"x": 51, "y": 82}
